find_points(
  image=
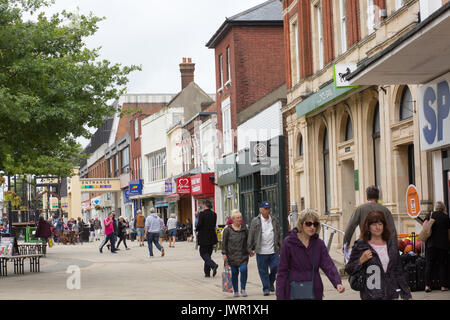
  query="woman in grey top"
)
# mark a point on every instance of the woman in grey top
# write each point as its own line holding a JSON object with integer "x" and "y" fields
{"x": 172, "y": 230}
{"x": 235, "y": 251}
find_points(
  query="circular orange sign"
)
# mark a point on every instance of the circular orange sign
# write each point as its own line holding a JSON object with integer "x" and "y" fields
{"x": 412, "y": 201}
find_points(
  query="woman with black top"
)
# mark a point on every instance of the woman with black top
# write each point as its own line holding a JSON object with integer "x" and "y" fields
{"x": 437, "y": 245}
{"x": 122, "y": 233}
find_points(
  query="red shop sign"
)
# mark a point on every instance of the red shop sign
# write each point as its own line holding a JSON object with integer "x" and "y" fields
{"x": 200, "y": 184}
{"x": 184, "y": 185}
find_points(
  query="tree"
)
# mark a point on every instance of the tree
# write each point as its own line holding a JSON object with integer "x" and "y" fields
{"x": 52, "y": 88}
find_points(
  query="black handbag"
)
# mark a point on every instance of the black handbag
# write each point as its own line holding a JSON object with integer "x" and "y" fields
{"x": 303, "y": 290}
{"x": 357, "y": 279}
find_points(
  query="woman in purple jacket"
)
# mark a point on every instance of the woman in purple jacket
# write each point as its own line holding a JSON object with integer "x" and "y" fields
{"x": 296, "y": 258}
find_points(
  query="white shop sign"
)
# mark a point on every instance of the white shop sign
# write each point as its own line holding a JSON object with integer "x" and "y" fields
{"x": 434, "y": 113}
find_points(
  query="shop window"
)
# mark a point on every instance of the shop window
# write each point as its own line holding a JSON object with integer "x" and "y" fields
{"x": 349, "y": 129}
{"x": 376, "y": 145}
{"x": 343, "y": 21}
{"x": 125, "y": 159}
{"x": 406, "y": 104}
{"x": 326, "y": 170}
{"x": 320, "y": 36}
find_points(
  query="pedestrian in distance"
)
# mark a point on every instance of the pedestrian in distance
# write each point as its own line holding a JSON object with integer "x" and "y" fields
{"x": 207, "y": 237}
{"x": 60, "y": 229}
{"x": 140, "y": 226}
{"x": 303, "y": 253}
{"x": 132, "y": 225}
{"x": 265, "y": 240}
{"x": 172, "y": 230}
{"x": 189, "y": 234}
{"x": 80, "y": 230}
{"x": 122, "y": 232}
{"x": 153, "y": 226}
{"x": 437, "y": 245}
{"x": 376, "y": 257}
{"x": 235, "y": 252}
{"x": 91, "y": 231}
{"x": 43, "y": 232}
{"x": 109, "y": 233}
{"x": 97, "y": 228}
{"x": 358, "y": 217}
{"x": 116, "y": 230}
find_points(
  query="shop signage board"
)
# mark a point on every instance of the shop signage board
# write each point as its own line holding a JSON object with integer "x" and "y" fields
{"x": 434, "y": 114}
{"x": 227, "y": 170}
{"x": 321, "y": 98}
{"x": 135, "y": 188}
{"x": 184, "y": 185}
{"x": 412, "y": 201}
{"x": 201, "y": 185}
{"x": 100, "y": 185}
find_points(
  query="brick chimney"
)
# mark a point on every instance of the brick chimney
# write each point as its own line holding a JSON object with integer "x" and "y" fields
{"x": 187, "y": 69}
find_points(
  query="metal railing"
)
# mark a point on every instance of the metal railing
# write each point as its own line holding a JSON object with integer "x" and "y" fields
{"x": 325, "y": 231}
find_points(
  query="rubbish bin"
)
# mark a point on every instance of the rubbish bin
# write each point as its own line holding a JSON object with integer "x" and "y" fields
{"x": 30, "y": 234}
{"x": 85, "y": 234}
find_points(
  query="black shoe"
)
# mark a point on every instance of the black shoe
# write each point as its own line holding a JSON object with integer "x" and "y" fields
{"x": 207, "y": 276}
{"x": 267, "y": 293}
{"x": 272, "y": 288}
{"x": 215, "y": 270}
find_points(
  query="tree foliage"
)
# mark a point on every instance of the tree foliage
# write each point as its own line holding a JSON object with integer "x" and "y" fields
{"x": 52, "y": 87}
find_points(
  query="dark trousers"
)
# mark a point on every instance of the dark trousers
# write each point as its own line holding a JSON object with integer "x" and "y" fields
{"x": 122, "y": 238}
{"x": 439, "y": 257}
{"x": 205, "y": 253}
{"x": 112, "y": 239}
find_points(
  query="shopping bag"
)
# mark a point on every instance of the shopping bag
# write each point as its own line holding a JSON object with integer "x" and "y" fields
{"x": 227, "y": 286}
{"x": 50, "y": 242}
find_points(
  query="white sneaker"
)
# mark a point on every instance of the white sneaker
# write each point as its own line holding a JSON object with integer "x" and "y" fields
{"x": 236, "y": 295}
{"x": 244, "y": 293}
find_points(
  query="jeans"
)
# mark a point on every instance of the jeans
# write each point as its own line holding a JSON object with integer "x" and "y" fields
{"x": 235, "y": 277}
{"x": 266, "y": 262}
{"x": 205, "y": 253}
{"x": 111, "y": 238}
{"x": 153, "y": 238}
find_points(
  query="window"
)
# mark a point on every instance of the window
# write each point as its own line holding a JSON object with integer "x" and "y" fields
{"x": 411, "y": 168}
{"x": 220, "y": 71}
{"x": 300, "y": 146}
{"x": 343, "y": 21}
{"x": 370, "y": 16}
{"x": 349, "y": 129}
{"x": 295, "y": 58}
{"x": 136, "y": 128}
{"x": 226, "y": 127}
{"x": 125, "y": 153}
{"x": 406, "y": 104}
{"x": 320, "y": 35}
{"x": 228, "y": 64}
{"x": 376, "y": 145}
{"x": 116, "y": 166}
{"x": 157, "y": 167}
{"x": 326, "y": 170}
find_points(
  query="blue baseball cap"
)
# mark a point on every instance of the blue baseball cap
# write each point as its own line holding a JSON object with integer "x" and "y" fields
{"x": 264, "y": 204}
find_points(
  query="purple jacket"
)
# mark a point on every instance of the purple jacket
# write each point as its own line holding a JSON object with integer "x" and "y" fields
{"x": 297, "y": 259}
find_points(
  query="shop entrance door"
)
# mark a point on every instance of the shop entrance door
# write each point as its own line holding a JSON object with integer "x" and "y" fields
{"x": 348, "y": 192}
{"x": 185, "y": 211}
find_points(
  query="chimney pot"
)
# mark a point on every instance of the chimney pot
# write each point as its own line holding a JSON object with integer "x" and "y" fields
{"x": 187, "y": 70}
{"x": 190, "y": 60}
{"x": 184, "y": 60}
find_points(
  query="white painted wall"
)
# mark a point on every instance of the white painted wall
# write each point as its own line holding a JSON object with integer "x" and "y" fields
{"x": 264, "y": 126}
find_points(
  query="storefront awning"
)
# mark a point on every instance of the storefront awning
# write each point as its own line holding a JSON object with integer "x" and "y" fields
{"x": 417, "y": 57}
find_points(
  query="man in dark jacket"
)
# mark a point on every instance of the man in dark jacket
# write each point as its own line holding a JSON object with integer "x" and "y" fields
{"x": 43, "y": 232}
{"x": 207, "y": 237}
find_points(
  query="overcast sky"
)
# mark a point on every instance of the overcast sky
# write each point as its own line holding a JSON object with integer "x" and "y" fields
{"x": 157, "y": 35}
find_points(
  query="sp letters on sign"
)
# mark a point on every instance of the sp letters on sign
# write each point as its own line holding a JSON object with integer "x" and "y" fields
{"x": 434, "y": 113}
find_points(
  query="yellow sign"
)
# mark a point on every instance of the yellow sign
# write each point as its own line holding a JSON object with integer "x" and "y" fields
{"x": 100, "y": 185}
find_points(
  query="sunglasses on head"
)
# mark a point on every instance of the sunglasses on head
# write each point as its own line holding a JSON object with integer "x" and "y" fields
{"x": 309, "y": 224}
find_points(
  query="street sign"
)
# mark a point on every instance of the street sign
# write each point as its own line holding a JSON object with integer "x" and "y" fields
{"x": 412, "y": 201}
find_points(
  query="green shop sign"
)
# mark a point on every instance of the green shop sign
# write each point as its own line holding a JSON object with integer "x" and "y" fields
{"x": 227, "y": 170}
{"x": 321, "y": 98}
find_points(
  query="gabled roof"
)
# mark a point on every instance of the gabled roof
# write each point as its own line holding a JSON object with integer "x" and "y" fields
{"x": 267, "y": 13}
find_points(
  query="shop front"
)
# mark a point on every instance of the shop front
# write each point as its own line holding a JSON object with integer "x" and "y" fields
{"x": 227, "y": 178}
{"x": 262, "y": 177}
{"x": 185, "y": 198}
{"x": 134, "y": 193}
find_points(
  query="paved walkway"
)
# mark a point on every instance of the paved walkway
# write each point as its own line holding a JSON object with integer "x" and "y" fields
{"x": 131, "y": 275}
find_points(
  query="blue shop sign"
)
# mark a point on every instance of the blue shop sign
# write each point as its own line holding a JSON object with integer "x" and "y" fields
{"x": 126, "y": 196}
{"x": 135, "y": 188}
